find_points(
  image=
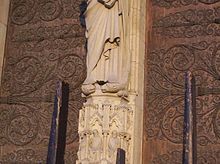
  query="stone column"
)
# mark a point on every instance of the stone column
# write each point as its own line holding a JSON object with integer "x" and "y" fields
{"x": 137, "y": 47}
{"x": 4, "y": 9}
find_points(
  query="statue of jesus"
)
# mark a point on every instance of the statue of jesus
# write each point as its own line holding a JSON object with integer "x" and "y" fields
{"x": 108, "y": 57}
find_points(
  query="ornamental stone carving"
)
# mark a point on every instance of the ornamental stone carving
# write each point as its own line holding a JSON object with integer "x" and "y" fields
{"x": 106, "y": 125}
{"x": 106, "y": 121}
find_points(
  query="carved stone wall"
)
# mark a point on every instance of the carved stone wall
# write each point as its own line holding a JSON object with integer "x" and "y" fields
{"x": 183, "y": 36}
{"x": 45, "y": 42}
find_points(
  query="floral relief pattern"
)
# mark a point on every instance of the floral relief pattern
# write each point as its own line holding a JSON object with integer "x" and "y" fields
{"x": 45, "y": 43}
{"x": 181, "y": 3}
{"x": 189, "y": 23}
{"x": 182, "y": 39}
{"x": 166, "y": 74}
{"x": 175, "y": 157}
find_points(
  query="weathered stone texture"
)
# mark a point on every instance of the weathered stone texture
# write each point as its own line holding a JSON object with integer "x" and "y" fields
{"x": 183, "y": 36}
{"x": 45, "y": 42}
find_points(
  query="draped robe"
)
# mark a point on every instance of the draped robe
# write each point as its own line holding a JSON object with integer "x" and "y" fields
{"x": 108, "y": 57}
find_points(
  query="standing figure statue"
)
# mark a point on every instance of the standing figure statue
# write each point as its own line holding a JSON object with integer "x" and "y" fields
{"x": 95, "y": 146}
{"x": 108, "y": 57}
{"x": 113, "y": 145}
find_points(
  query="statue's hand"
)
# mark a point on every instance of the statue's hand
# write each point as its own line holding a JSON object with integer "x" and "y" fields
{"x": 108, "y": 3}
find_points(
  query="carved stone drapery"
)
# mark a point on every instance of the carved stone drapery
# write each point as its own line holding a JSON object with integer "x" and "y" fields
{"x": 108, "y": 56}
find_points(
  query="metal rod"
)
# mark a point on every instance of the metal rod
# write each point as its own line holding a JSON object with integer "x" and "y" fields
{"x": 189, "y": 131}
{"x": 53, "y": 140}
{"x": 120, "y": 156}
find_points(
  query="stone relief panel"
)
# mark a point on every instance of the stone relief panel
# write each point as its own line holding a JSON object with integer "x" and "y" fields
{"x": 103, "y": 128}
{"x": 175, "y": 157}
{"x": 181, "y": 3}
{"x": 168, "y": 66}
{"x": 189, "y": 23}
{"x": 45, "y": 42}
{"x": 183, "y": 37}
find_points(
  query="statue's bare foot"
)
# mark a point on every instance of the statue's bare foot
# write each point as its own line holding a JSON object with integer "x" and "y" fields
{"x": 88, "y": 89}
{"x": 112, "y": 87}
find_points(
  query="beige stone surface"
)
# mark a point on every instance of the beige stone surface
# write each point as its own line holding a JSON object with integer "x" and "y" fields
{"x": 105, "y": 124}
{"x": 97, "y": 101}
{"x": 4, "y": 8}
{"x": 137, "y": 39}
{"x": 2, "y": 45}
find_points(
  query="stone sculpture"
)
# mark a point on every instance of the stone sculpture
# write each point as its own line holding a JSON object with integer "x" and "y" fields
{"x": 106, "y": 111}
{"x": 113, "y": 144}
{"x": 108, "y": 57}
{"x": 96, "y": 145}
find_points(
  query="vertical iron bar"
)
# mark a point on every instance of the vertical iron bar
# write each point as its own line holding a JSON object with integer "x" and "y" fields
{"x": 189, "y": 131}
{"x": 120, "y": 156}
{"x": 52, "y": 146}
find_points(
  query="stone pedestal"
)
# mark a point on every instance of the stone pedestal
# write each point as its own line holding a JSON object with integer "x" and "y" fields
{"x": 105, "y": 124}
